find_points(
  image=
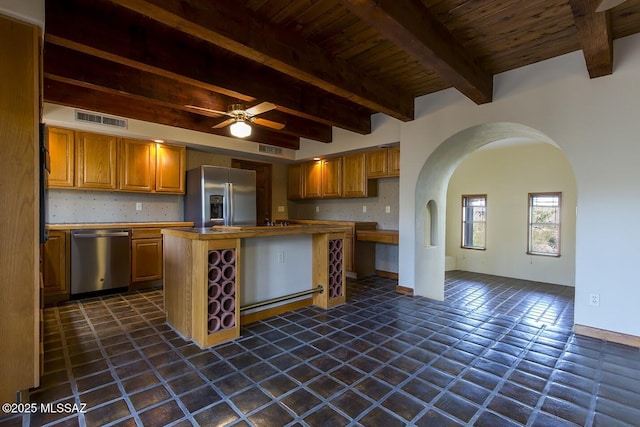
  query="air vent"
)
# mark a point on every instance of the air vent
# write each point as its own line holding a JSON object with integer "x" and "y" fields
{"x": 99, "y": 119}
{"x": 269, "y": 149}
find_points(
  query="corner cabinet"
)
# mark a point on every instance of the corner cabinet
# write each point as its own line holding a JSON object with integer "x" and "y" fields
{"x": 383, "y": 163}
{"x": 393, "y": 161}
{"x": 355, "y": 182}
{"x": 96, "y": 161}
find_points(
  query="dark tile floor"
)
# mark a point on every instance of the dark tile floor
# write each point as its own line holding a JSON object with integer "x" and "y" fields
{"x": 497, "y": 352}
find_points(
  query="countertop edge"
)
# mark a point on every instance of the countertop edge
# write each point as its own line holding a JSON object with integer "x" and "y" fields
{"x": 250, "y": 232}
{"x": 106, "y": 225}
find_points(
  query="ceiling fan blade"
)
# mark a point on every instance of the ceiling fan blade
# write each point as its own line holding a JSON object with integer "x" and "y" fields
{"x": 260, "y": 108}
{"x": 608, "y": 4}
{"x": 268, "y": 123}
{"x": 223, "y": 124}
{"x": 208, "y": 110}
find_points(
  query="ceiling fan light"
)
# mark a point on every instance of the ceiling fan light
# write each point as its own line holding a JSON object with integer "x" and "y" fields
{"x": 240, "y": 129}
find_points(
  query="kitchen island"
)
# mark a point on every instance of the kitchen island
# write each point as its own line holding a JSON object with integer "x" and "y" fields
{"x": 212, "y": 274}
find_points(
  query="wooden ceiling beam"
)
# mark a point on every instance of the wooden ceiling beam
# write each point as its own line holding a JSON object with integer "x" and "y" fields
{"x": 141, "y": 43}
{"x": 411, "y": 27}
{"x": 237, "y": 29}
{"x": 64, "y": 93}
{"x": 104, "y": 76}
{"x": 595, "y": 36}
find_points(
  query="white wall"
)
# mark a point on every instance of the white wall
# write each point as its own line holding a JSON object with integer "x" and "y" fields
{"x": 31, "y": 11}
{"x": 595, "y": 123}
{"x": 506, "y": 174}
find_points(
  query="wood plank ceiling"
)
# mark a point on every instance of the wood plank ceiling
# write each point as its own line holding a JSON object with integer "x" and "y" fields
{"x": 322, "y": 63}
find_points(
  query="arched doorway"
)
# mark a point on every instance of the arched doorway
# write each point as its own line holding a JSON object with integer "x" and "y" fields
{"x": 431, "y": 192}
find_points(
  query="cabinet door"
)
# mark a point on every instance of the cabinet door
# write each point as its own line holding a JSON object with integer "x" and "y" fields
{"x": 332, "y": 177}
{"x": 312, "y": 179}
{"x": 355, "y": 175}
{"x": 377, "y": 163}
{"x": 170, "y": 168}
{"x": 393, "y": 161}
{"x": 61, "y": 156}
{"x": 55, "y": 273}
{"x": 96, "y": 161}
{"x": 146, "y": 259}
{"x": 137, "y": 163}
{"x": 294, "y": 183}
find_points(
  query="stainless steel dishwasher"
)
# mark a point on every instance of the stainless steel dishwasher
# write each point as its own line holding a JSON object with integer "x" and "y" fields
{"x": 100, "y": 260}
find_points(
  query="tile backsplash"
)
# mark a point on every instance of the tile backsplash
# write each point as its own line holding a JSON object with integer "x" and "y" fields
{"x": 77, "y": 206}
{"x": 351, "y": 209}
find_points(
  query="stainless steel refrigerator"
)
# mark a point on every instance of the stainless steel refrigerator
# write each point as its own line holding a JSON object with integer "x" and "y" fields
{"x": 220, "y": 196}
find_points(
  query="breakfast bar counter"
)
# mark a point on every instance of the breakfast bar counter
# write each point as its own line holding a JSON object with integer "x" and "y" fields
{"x": 212, "y": 274}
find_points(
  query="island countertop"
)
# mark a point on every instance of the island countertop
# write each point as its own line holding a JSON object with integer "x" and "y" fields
{"x": 243, "y": 232}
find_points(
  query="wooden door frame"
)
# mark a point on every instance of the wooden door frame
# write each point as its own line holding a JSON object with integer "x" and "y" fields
{"x": 252, "y": 165}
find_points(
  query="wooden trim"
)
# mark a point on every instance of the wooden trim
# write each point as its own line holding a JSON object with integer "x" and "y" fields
{"x": 603, "y": 334}
{"x": 256, "y": 316}
{"x": 378, "y": 236}
{"x": 404, "y": 290}
{"x": 387, "y": 274}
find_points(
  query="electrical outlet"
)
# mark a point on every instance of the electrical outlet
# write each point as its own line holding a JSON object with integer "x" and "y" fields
{"x": 280, "y": 208}
{"x": 594, "y": 299}
{"x": 317, "y": 209}
{"x": 281, "y": 257}
{"x": 364, "y": 208}
{"x": 387, "y": 209}
{"x": 138, "y": 206}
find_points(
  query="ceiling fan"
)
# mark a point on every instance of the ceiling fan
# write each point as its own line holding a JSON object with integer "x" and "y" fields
{"x": 608, "y": 4}
{"x": 240, "y": 117}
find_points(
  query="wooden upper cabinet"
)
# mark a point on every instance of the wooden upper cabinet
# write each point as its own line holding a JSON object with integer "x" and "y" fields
{"x": 377, "y": 163}
{"x": 61, "y": 144}
{"x": 312, "y": 179}
{"x": 137, "y": 165}
{"x": 393, "y": 161}
{"x": 354, "y": 179}
{"x": 383, "y": 163}
{"x": 332, "y": 177}
{"x": 96, "y": 161}
{"x": 294, "y": 182}
{"x": 170, "y": 168}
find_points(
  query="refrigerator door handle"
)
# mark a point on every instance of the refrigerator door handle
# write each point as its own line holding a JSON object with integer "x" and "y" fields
{"x": 225, "y": 208}
{"x": 230, "y": 203}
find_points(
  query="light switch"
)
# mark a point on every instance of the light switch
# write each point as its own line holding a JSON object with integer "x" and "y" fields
{"x": 280, "y": 208}
{"x": 138, "y": 206}
{"x": 387, "y": 209}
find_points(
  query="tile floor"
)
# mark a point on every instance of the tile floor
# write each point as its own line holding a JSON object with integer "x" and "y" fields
{"x": 497, "y": 352}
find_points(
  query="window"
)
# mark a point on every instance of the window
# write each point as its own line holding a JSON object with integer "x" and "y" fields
{"x": 544, "y": 224}
{"x": 474, "y": 221}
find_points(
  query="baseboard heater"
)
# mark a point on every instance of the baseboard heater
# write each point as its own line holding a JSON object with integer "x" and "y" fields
{"x": 318, "y": 289}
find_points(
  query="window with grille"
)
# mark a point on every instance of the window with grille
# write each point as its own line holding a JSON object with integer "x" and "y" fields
{"x": 544, "y": 224}
{"x": 474, "y": 221}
